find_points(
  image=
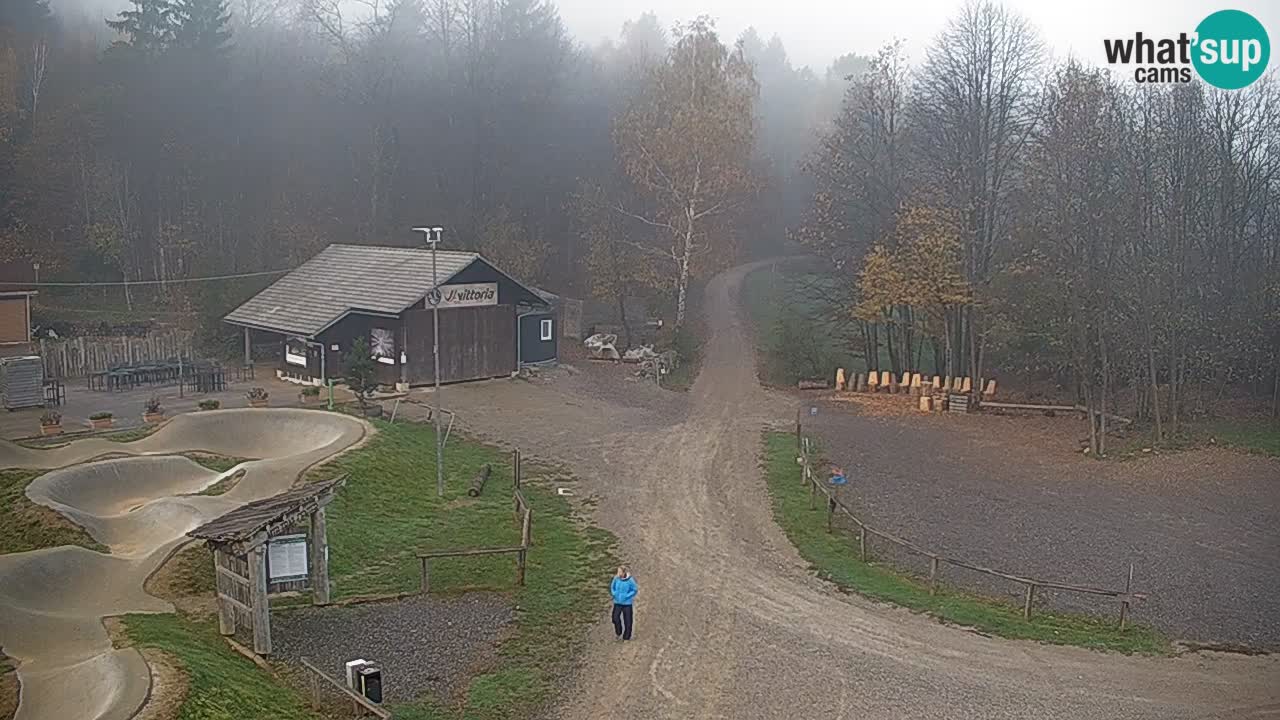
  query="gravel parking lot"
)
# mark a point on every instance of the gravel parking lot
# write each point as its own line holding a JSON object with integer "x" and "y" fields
{"x": 1201, "y": 527}
{"x": 423, "y": 644}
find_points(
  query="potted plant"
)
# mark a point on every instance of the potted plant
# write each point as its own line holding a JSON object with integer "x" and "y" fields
{"x": 309, "y": 394}
{"x": 257, "y": 397}
{"x": 101, "y": 420}
{"x": 51, "y": 423}
{"x": 153, "y": 411}
{"x": 209, "y": 404}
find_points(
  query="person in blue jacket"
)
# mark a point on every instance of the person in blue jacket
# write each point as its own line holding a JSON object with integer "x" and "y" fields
{"x": 623, "y": 589}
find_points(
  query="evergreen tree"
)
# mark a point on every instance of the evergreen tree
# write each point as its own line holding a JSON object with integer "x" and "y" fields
{"x": 202, "y": 26}
{"x": 147, "y": 28}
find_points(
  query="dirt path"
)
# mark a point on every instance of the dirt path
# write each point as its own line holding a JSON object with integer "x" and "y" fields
{"x": 730, "y": 622}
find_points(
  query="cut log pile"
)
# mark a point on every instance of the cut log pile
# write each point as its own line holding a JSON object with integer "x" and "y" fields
{"x": 933, "y": 392}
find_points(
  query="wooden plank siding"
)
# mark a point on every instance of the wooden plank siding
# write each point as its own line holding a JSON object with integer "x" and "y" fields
{"x": 14, "y": 327}
{"x": 475, "y": 343}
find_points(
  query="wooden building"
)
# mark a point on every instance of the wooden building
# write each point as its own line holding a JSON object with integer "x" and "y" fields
{"x": 17, "y": 286}
{"x": 490, "y": 323}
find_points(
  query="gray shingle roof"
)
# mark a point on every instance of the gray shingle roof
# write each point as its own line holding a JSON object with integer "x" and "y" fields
{"x": 344, "y": 278}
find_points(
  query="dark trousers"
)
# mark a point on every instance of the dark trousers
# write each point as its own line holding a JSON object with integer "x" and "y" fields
{"x": 622, "y": 621}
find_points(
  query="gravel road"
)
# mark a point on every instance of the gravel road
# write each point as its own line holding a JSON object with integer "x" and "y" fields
{"x": 730, "y": 623}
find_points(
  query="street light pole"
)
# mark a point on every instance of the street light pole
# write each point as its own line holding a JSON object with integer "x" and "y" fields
{"x": 432, "y": 236}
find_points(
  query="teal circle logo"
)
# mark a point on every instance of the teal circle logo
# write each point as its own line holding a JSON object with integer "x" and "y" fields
{"x": 1232, "y": 49}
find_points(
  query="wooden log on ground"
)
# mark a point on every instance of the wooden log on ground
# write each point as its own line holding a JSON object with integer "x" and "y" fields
{"x": 477, "y": 484}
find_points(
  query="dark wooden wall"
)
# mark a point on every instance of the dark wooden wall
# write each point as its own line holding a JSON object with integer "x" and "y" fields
{"x": 355, "y": 325}
{"x": 475, "y": 343}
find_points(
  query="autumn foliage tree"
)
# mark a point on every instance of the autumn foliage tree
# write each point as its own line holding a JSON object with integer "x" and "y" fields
{"x": 684, "y": 143}
{"x": 909, "y": 291}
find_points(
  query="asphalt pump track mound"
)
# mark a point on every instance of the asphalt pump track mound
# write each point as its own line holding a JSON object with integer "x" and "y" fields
{"x": 139, "y": 499}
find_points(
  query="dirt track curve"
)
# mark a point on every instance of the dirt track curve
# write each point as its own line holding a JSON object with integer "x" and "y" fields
{"x": 731, "y": 623}
{"x": 52, "y": 601}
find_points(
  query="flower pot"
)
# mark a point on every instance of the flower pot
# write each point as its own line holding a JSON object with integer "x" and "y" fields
{"x": 258, "y": 403}
{"x": 101, "y": 424}
{"x": 48, "y": 430}
{"x": 152, "y": 417}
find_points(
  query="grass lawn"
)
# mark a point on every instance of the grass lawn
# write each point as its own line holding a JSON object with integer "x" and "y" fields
{"x": 223, "y": 685}
{"x": 835, "y": 557}
{"x": 385, "y": 514}
{"x": 1259, "y": 435}
{"x": 24, "y": 525}
{"x": 389, "y": 510}
{"x": 1256, "y": 435}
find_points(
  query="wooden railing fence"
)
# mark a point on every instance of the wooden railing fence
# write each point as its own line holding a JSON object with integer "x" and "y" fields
{"x": 523, "y": 518}
{"x": 80, "y": 356}
{"x": 834, "y": 505}
{"x": 359, "y": 703}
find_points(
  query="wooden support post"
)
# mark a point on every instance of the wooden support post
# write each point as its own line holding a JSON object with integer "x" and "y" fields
{"x": 227, "y": 617}
{"x": 933, "y": 575}
{"x": 1026, "y": 603}
{"x": 426, "y": 575}
{"x": 261, "y": 609}
{"x": 520, "y": 558}
{"x": 515, "y": 468}
{"x": 319, "y": 559}
{"x": 862, "y": 543}
{"x": 831, "y": 512}
{"x": 1124, "y": 604}
{"x": 226, "y": 611}
{"x": 813, "y": 490}
{"x": 248, "y": 348}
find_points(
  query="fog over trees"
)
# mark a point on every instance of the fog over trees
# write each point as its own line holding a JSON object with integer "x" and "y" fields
{"x": 197, "y": 137}
{"x": 1121, "y": 238}
{"x": 984, "y": 206}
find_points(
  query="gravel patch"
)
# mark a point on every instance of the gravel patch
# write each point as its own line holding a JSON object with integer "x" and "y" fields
{"x": 1201, "y": 527}
{"x": 423, "y": 644}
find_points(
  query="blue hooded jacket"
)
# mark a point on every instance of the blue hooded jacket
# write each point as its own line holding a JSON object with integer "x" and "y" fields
{"x": 623, "y": 589}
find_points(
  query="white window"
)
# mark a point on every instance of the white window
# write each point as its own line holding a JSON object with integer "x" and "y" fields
{"x": 287, "y": 557}
{"x": 295, "y": 352}
{"x": 546, "y": 329}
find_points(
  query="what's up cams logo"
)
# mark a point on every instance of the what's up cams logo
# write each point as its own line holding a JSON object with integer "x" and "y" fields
{"x": 1228, "y": 50}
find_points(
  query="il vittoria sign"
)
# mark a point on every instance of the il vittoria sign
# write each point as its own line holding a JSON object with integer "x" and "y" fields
{"x": 468, "y": 295}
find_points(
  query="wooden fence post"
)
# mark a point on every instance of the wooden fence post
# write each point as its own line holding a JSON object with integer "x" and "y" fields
{"x": 1124, "y": 604}
{"x": 862, "y": 542}
{"x": 526, "y": 528}
{"x": 933, "y": 575}
{"x": 831, "y": 511}
{"x": 426, "y": 575}
{"x": 520, "y": 558}
{"x": 1026, "y": 603}
{"x": 813, "y": 491}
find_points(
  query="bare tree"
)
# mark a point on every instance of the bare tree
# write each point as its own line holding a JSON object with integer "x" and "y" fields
{"x": 975, "y": 105}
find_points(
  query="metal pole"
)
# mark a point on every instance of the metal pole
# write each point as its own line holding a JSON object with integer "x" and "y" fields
{"x": 435, "y": 329}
